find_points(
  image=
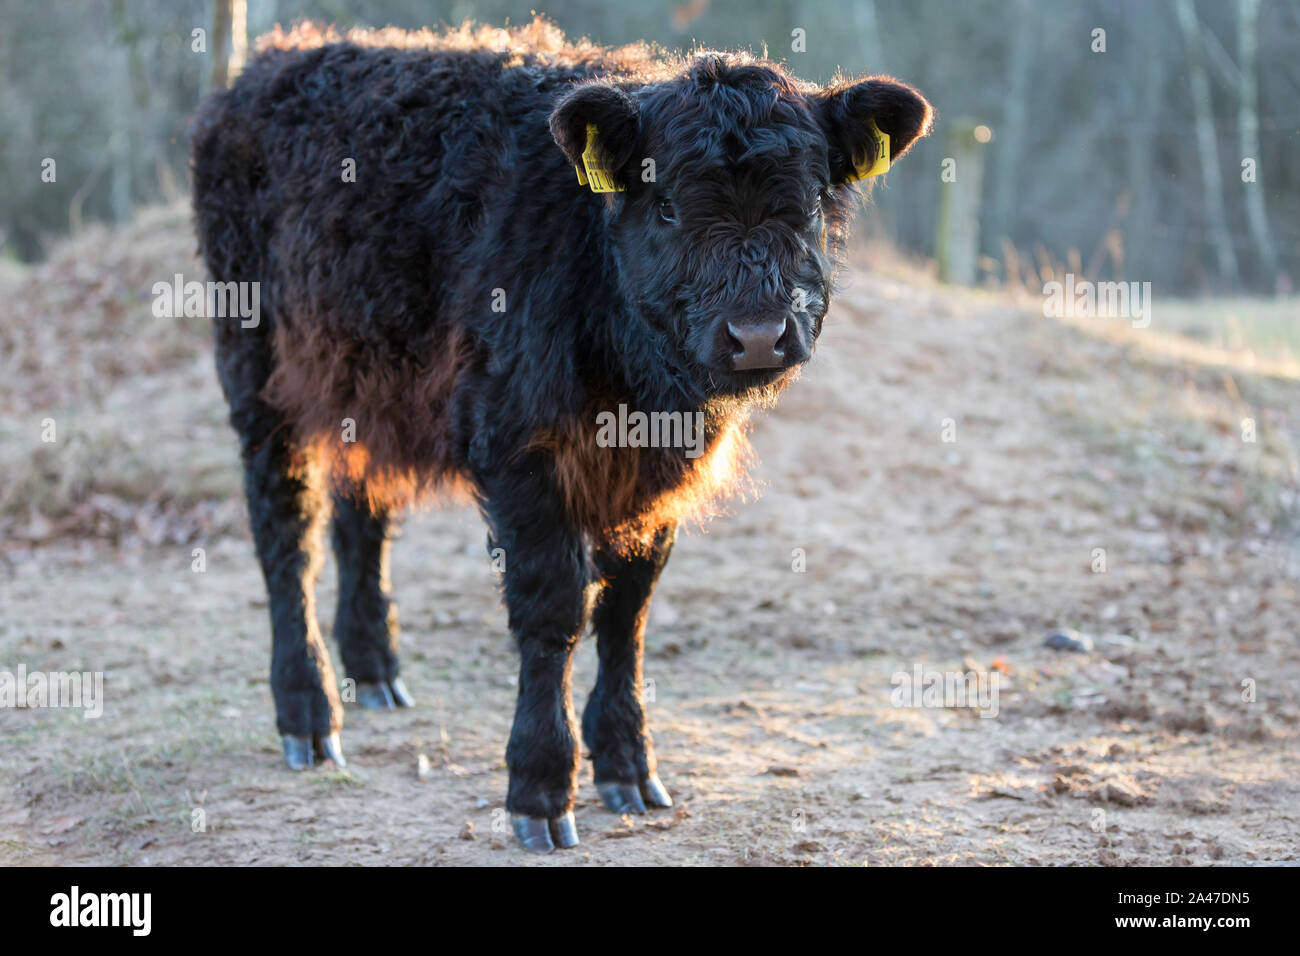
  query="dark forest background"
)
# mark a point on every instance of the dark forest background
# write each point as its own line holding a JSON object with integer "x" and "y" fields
{"x": 1171, "y": 157}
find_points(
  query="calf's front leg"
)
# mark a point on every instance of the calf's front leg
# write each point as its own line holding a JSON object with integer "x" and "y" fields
{"x": 547, "y": 581}
{"x": 613, "y": 722}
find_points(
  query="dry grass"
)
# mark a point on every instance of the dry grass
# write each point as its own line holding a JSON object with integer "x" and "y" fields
{"x": 131, "y": 398}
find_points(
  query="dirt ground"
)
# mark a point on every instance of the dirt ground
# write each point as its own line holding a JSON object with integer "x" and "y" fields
{"x": 1172, "y": 741}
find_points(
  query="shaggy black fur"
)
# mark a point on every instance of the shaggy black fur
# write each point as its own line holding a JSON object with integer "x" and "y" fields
{"x": 468, "y": 308}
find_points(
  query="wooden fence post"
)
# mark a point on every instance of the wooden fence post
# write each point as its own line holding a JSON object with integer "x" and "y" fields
{"x": 957, "y": 236}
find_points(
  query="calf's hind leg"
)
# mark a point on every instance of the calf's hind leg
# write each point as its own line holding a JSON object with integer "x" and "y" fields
{"x": 613, "y": 722}
{"x": 365, "y": 624}
{"x": 286, "y": 510}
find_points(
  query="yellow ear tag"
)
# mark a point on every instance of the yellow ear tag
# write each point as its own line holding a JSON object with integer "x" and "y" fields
{"x": 881, "y": 164}
{"x": 596, "y": 176}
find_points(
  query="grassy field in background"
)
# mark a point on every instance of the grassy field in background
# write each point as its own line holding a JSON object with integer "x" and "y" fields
{"x": 1267, "y": 328}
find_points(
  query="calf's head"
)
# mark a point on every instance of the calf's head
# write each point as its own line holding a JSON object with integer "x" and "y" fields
{"x": 732, "y": 187}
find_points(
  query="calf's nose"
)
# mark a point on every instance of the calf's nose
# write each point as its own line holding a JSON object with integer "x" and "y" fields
{"x": 757, "y": 346}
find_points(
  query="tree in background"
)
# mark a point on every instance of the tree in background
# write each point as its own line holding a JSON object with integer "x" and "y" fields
{"x": 1125, "y": 162}
{"x": 229, "y": 41}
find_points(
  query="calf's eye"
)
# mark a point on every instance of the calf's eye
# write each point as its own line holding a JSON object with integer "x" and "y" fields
{"x": 666, "y": 211}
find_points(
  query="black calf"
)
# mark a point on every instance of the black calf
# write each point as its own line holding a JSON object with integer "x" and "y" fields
{"x": 446, "y": 306}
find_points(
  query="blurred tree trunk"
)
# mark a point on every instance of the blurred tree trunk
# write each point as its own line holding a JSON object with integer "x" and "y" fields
{"x": 129, "y": 91}
{"x": 229, "y": 42}
{"x": 238, "y": 38}
{"x": 218, "y": 45}
{"x": 1206, "y": 143}
{"x": 1248, "y": 130}
{"x": 1144, "y": 112}
{"x": 957, "y": 233}
{"x": 1010, "y": 141}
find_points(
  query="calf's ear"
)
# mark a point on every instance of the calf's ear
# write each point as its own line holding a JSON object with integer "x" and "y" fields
{"x": 615, "y": 118}
{"x": 851, "y": 114}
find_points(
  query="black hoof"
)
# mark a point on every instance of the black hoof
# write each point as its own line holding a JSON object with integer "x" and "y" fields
{"x": 655, "y": 793}
{"x": 538, "y": 835}
{"x": 565, "y": 831}
{"x": 401, "y": 696}
{"x": 297, "y": 751}
{"x": 630, "y": 798}
{"x": 384, "y": 695}
{"x": 331, "y": 748}
{"x": 301, "y": 753}
{"x": 621, "y": 798}
{"x": 376, "y": 696}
